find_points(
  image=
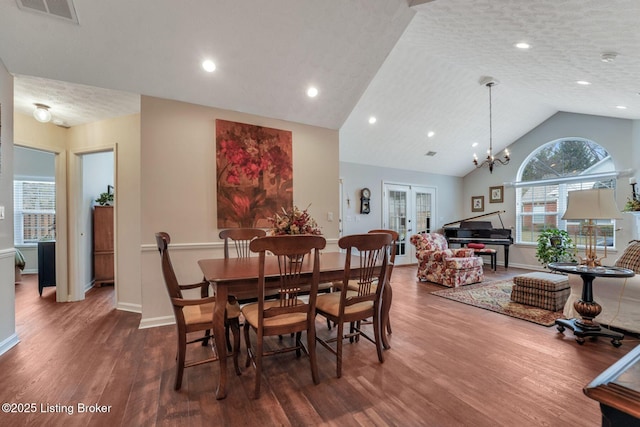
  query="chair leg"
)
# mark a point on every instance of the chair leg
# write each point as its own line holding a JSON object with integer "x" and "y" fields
{"x": 258, "y": 358}
{"x": 182, "y": 350}
{"x": 247, "y": 342}
{"x": 340, "y": 336}
{"x": 298, "y": 344}
{"x": 234, "y": 325}
{"x": 377, "y": 333}
{"x": 226, "y": 336}
{"x": 311, "y": 347}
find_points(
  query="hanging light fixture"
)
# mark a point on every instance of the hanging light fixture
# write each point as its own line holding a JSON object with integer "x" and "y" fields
{"x": 491, "y": 160}
{"x": 42, "y": 113}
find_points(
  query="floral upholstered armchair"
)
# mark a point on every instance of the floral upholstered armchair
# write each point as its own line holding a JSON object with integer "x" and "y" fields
{"x": 449, "y": 267}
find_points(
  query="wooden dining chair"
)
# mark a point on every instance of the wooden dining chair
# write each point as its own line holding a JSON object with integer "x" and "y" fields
{"x": 393, "y": 249}
{"x": 358, "y": 299}
{"x": 288, "y": 314}
{"x": 240, "y": 237}
{"x": 193, "y": 315}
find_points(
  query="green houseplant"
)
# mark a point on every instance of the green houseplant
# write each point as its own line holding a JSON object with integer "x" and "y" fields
{"x": 555, "y": 246}
{"x": 105, "y": 199}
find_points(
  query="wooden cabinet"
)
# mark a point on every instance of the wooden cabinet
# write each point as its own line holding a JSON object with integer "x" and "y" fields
{"x": 46, "y": 264}
{"x": 103, "y": 261}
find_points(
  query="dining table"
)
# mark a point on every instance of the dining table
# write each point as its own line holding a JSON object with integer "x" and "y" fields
{"x": 239, "y": 277}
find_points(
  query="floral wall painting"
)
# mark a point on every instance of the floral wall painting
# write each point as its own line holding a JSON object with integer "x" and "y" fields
{"x": 254, "y": 171}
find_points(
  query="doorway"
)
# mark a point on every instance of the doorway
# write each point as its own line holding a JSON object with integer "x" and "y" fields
{"x": 34, "y": 169}
{"x": 94, "y": 173}
{"x": 408, "y": 209}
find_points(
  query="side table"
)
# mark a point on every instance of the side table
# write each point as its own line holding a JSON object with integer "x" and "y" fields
{"x": 588, "y": 309}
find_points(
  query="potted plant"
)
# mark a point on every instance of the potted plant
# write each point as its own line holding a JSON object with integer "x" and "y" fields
{"x": 555, "y": 246}
{"x": 105, "y": 199}
{"x": 20, "y": 263}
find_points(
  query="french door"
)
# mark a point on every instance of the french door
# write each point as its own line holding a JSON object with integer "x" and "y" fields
{"x": 408, "y": 209}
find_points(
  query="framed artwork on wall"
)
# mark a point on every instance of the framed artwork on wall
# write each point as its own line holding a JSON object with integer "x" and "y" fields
{"x": 477, "y": 203}
{"x": 496, "y": 194}
{"x": 254, "y": 173}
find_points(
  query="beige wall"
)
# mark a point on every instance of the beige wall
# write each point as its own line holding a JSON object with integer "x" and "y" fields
{"x": 121, "y": 134}
{"x": 178, "y": 188}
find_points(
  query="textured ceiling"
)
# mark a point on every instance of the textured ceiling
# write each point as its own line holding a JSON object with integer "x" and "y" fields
{"x": 415, "y": 68}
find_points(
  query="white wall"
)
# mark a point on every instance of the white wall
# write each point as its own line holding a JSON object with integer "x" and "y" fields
{"x": 356, "y": 176}
{"x": 8, "y": 337}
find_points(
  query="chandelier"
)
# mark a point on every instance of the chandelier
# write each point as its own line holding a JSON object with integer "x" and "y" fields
{"x": 491, "y": 160}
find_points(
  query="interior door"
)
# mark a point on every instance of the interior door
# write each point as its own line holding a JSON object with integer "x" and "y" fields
{"x": 397, "y": 217}
{"x": 408, "y": 209}
{"x": 424, "y": 212}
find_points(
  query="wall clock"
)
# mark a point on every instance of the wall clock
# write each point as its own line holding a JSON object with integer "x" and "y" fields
{"x": 365, "y": 196}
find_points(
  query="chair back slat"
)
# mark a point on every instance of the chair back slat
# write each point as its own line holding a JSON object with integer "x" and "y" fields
{"x": 373, "y": 249}
{"x": 393, "y": 248}
{"x": 294, "y": 253}
{"x": 241, "y": 238}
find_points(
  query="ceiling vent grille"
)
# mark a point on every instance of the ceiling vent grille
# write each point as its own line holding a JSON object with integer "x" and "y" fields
{"x": 63, "y": 9}
{"x": 430, "y": 153}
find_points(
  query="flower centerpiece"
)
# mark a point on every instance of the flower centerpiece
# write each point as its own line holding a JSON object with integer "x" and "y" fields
{"x": 632, "y": 205}
{"x": 294, "y": 221}
{"x": 633, "y": 202}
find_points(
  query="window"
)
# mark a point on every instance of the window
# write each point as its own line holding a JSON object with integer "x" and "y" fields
{"x": 548, "y": 175}
{"x": 34, "y": 211}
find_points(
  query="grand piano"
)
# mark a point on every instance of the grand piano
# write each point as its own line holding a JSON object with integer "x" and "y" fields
{"x": 470, "y": 231}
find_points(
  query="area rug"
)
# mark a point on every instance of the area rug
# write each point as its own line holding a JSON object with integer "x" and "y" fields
{"x": 496, "y": 296}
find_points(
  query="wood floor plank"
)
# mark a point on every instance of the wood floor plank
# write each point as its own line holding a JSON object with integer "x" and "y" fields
{"x": 450, "y": 364}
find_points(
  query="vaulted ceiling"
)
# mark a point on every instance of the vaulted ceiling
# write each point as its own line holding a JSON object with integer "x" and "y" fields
{"x": 414, "y": 65}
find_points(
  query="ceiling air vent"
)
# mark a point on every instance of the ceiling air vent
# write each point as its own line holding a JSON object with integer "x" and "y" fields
{"x": 63, "y": 9}
{"x": 430, "y": 153}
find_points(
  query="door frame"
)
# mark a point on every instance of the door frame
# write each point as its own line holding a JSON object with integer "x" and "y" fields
{"x": 412, "y": 190}
{"x": 76, "y": 285}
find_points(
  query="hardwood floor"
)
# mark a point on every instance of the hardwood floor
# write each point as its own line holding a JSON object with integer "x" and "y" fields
{"x": 450, "y": 365}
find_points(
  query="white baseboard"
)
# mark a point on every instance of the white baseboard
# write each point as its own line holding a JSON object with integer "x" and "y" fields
{"x": 157, "y": 321}
{"x": 125, "y": 306}
{"x": 9, "y": 343}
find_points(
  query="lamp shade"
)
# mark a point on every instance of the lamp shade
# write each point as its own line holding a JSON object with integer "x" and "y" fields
{"x": 597, "y": 203}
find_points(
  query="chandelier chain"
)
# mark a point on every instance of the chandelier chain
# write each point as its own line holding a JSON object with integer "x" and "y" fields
{"x": 491, "y": 161}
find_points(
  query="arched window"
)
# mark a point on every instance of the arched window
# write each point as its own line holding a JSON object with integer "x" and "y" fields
{"x": 548, "y": 175}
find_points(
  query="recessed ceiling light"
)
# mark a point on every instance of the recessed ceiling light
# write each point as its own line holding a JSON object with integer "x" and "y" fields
{"x": 372, "y": 120}
{"x": 430, "y": 134}
{"x": 583, "y": 82}
{"x": 522, "y": 45}
{"x": 475, "y": 144}
{"x": 621, "y": 107}
{"x": 608, "y": 57}
{"x": 209, "y": 65}
{"x": 312, "y": 92}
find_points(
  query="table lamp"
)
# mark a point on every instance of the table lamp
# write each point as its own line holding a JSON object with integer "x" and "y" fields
{"x": 592, "y": 205}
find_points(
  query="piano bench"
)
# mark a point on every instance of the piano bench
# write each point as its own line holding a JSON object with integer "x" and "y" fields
{"x": 492, "y": 253}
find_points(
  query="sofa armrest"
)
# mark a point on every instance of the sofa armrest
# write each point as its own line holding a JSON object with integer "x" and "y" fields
{"x": 434, "y": 256}
{"x": 463, "y": 252}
